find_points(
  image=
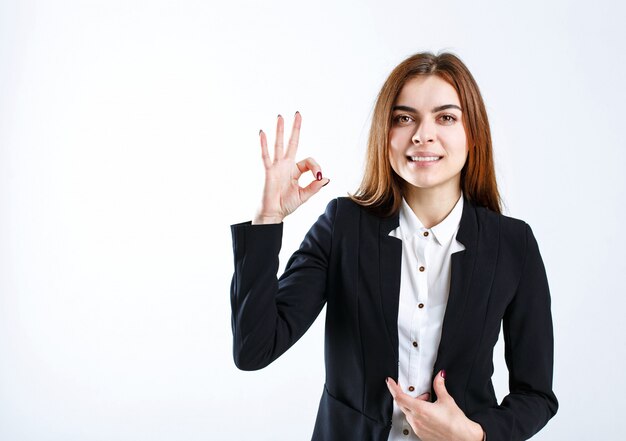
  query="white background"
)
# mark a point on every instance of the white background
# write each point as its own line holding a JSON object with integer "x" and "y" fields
{"x": 129, "y": 144}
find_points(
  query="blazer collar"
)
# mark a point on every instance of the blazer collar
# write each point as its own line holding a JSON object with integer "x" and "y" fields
{"x": 468, "y": 226}
{"x": 411, "y": 225}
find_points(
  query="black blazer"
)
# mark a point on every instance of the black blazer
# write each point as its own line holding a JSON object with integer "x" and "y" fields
{"x": 348, "y": 261}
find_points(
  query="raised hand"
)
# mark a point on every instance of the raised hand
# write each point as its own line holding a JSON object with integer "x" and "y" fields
{"x": 282, "y": 193}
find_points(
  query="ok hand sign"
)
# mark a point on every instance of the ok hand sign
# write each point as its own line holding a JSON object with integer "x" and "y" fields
{"x": 282, "y": 194}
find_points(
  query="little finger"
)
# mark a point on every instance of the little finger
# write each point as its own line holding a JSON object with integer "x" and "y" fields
{"x": 267, "y": 161}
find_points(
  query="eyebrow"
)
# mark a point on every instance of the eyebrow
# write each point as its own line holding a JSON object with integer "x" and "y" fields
{"x": 435, "y": 109}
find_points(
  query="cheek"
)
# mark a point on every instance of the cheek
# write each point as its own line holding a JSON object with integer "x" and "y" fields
{"x": 397, "y": 136}
{"x": 394, "y": 156}
{"x": 395, "y": 144}
{"x": 458, "y": 143}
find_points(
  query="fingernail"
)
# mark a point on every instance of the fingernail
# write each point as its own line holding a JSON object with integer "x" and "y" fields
{"x": 326, "y": 183}
{"x": 260, "y": 131}
{"x": 278, "y": 115}
{"x": 296, "y": 113}
{"x": 319, "y": 176}
{"x": 387, "y": 380}
{"x": 443, "y": 374}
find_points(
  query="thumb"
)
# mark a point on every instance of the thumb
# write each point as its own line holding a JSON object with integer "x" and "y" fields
{"x": 312, "y": 188}
{"x": 439, "y": 385}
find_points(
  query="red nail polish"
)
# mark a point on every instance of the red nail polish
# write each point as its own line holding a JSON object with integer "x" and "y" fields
{"x": 443, "y": 373}
{"x": 319, "y": 176}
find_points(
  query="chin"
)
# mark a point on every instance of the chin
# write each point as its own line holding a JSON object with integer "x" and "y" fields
{"x": 421, "y": 183}
{"x": 428, "y": 184}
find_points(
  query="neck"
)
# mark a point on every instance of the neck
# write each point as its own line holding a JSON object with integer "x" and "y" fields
{"x": 431, "y": 205}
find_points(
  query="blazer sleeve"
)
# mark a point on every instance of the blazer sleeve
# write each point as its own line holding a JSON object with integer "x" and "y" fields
{"x": 528, "y": 340}
{"x": 270, "y": 314}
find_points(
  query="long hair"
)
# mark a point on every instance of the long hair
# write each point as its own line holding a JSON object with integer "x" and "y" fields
{"x": 380, "y": 190}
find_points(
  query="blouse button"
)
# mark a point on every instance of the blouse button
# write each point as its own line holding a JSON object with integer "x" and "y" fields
{"x": 422, "y": 268}
{"x": 411, "y": 388}
{"x": 420, "y": 306}
{"x": 414, "y": 344}
{"x": 405, "y": 432}
{"x": 425, "y": 233}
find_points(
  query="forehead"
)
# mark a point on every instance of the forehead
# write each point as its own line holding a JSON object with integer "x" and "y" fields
{"x": 427, "y": 91}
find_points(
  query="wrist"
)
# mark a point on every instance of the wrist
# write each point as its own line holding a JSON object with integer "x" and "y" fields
{"x": 258, "y": 220}
{"x": 477, "y": 432}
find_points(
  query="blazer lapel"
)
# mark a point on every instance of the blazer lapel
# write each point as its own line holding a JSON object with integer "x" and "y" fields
{"x": 461, "y": 271}
{"x": 460, "y": 294}
{"x": 390, "y": 266}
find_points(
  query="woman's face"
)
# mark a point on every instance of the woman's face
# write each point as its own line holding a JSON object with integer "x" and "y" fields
{"x": 427, "y": 140}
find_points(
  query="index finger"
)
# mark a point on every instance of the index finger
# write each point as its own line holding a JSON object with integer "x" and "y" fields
{"x": 295, "y": 136}
{"x": 406, "y": 402}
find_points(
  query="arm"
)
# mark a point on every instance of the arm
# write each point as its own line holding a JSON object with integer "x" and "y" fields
{"x": 269, "y": 314}
{"x": 528, "y": 338}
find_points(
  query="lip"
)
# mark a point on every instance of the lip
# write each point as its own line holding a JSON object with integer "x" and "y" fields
{"x": 423, "y": 164}
{"x": 425, "y": 153}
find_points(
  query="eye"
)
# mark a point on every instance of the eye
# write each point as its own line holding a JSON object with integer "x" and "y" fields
{"x": 402, "y": 119}
{"x": 448, "y": 118}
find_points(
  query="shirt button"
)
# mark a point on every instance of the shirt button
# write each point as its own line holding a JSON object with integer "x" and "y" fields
{"x": 411, "y": 388}
{"x": 414, "y": 344}
{"x": 420, "y": 306}
{"x": 425, "y": 233}
{"x": 422, "y": 268}
{"x": 405, "y": 432}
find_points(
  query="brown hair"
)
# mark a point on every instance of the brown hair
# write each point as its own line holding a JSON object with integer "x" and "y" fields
{"x": 381, "y": 188}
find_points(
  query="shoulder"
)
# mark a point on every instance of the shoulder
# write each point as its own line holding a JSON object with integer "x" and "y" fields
{"x": 349, "y": 219}
{"x": 506, "y": 224}
{"x": 344, "y": 207}
{"x": 351, "y": 213}
{"x": 512, "y": 231}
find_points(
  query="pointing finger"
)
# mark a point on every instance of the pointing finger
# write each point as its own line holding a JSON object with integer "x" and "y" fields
{"x": 310, "y": 164}
{"x": 394, "y": 389}
{"x": 403, "y": 400}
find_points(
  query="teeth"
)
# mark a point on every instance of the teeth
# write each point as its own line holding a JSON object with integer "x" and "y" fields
{"x": 424, "y": 158}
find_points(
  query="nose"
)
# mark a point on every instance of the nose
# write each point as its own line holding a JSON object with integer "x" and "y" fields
{"x": 424, "y": 133}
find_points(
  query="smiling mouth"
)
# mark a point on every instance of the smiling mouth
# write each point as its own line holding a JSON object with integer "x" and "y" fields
{"x": 424, "y": 158}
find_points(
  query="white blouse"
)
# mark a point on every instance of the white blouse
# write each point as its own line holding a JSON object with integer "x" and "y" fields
{"x": 424, "y": 287}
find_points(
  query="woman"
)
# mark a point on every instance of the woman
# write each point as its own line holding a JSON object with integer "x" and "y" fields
{"x": 419, "y": 270}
